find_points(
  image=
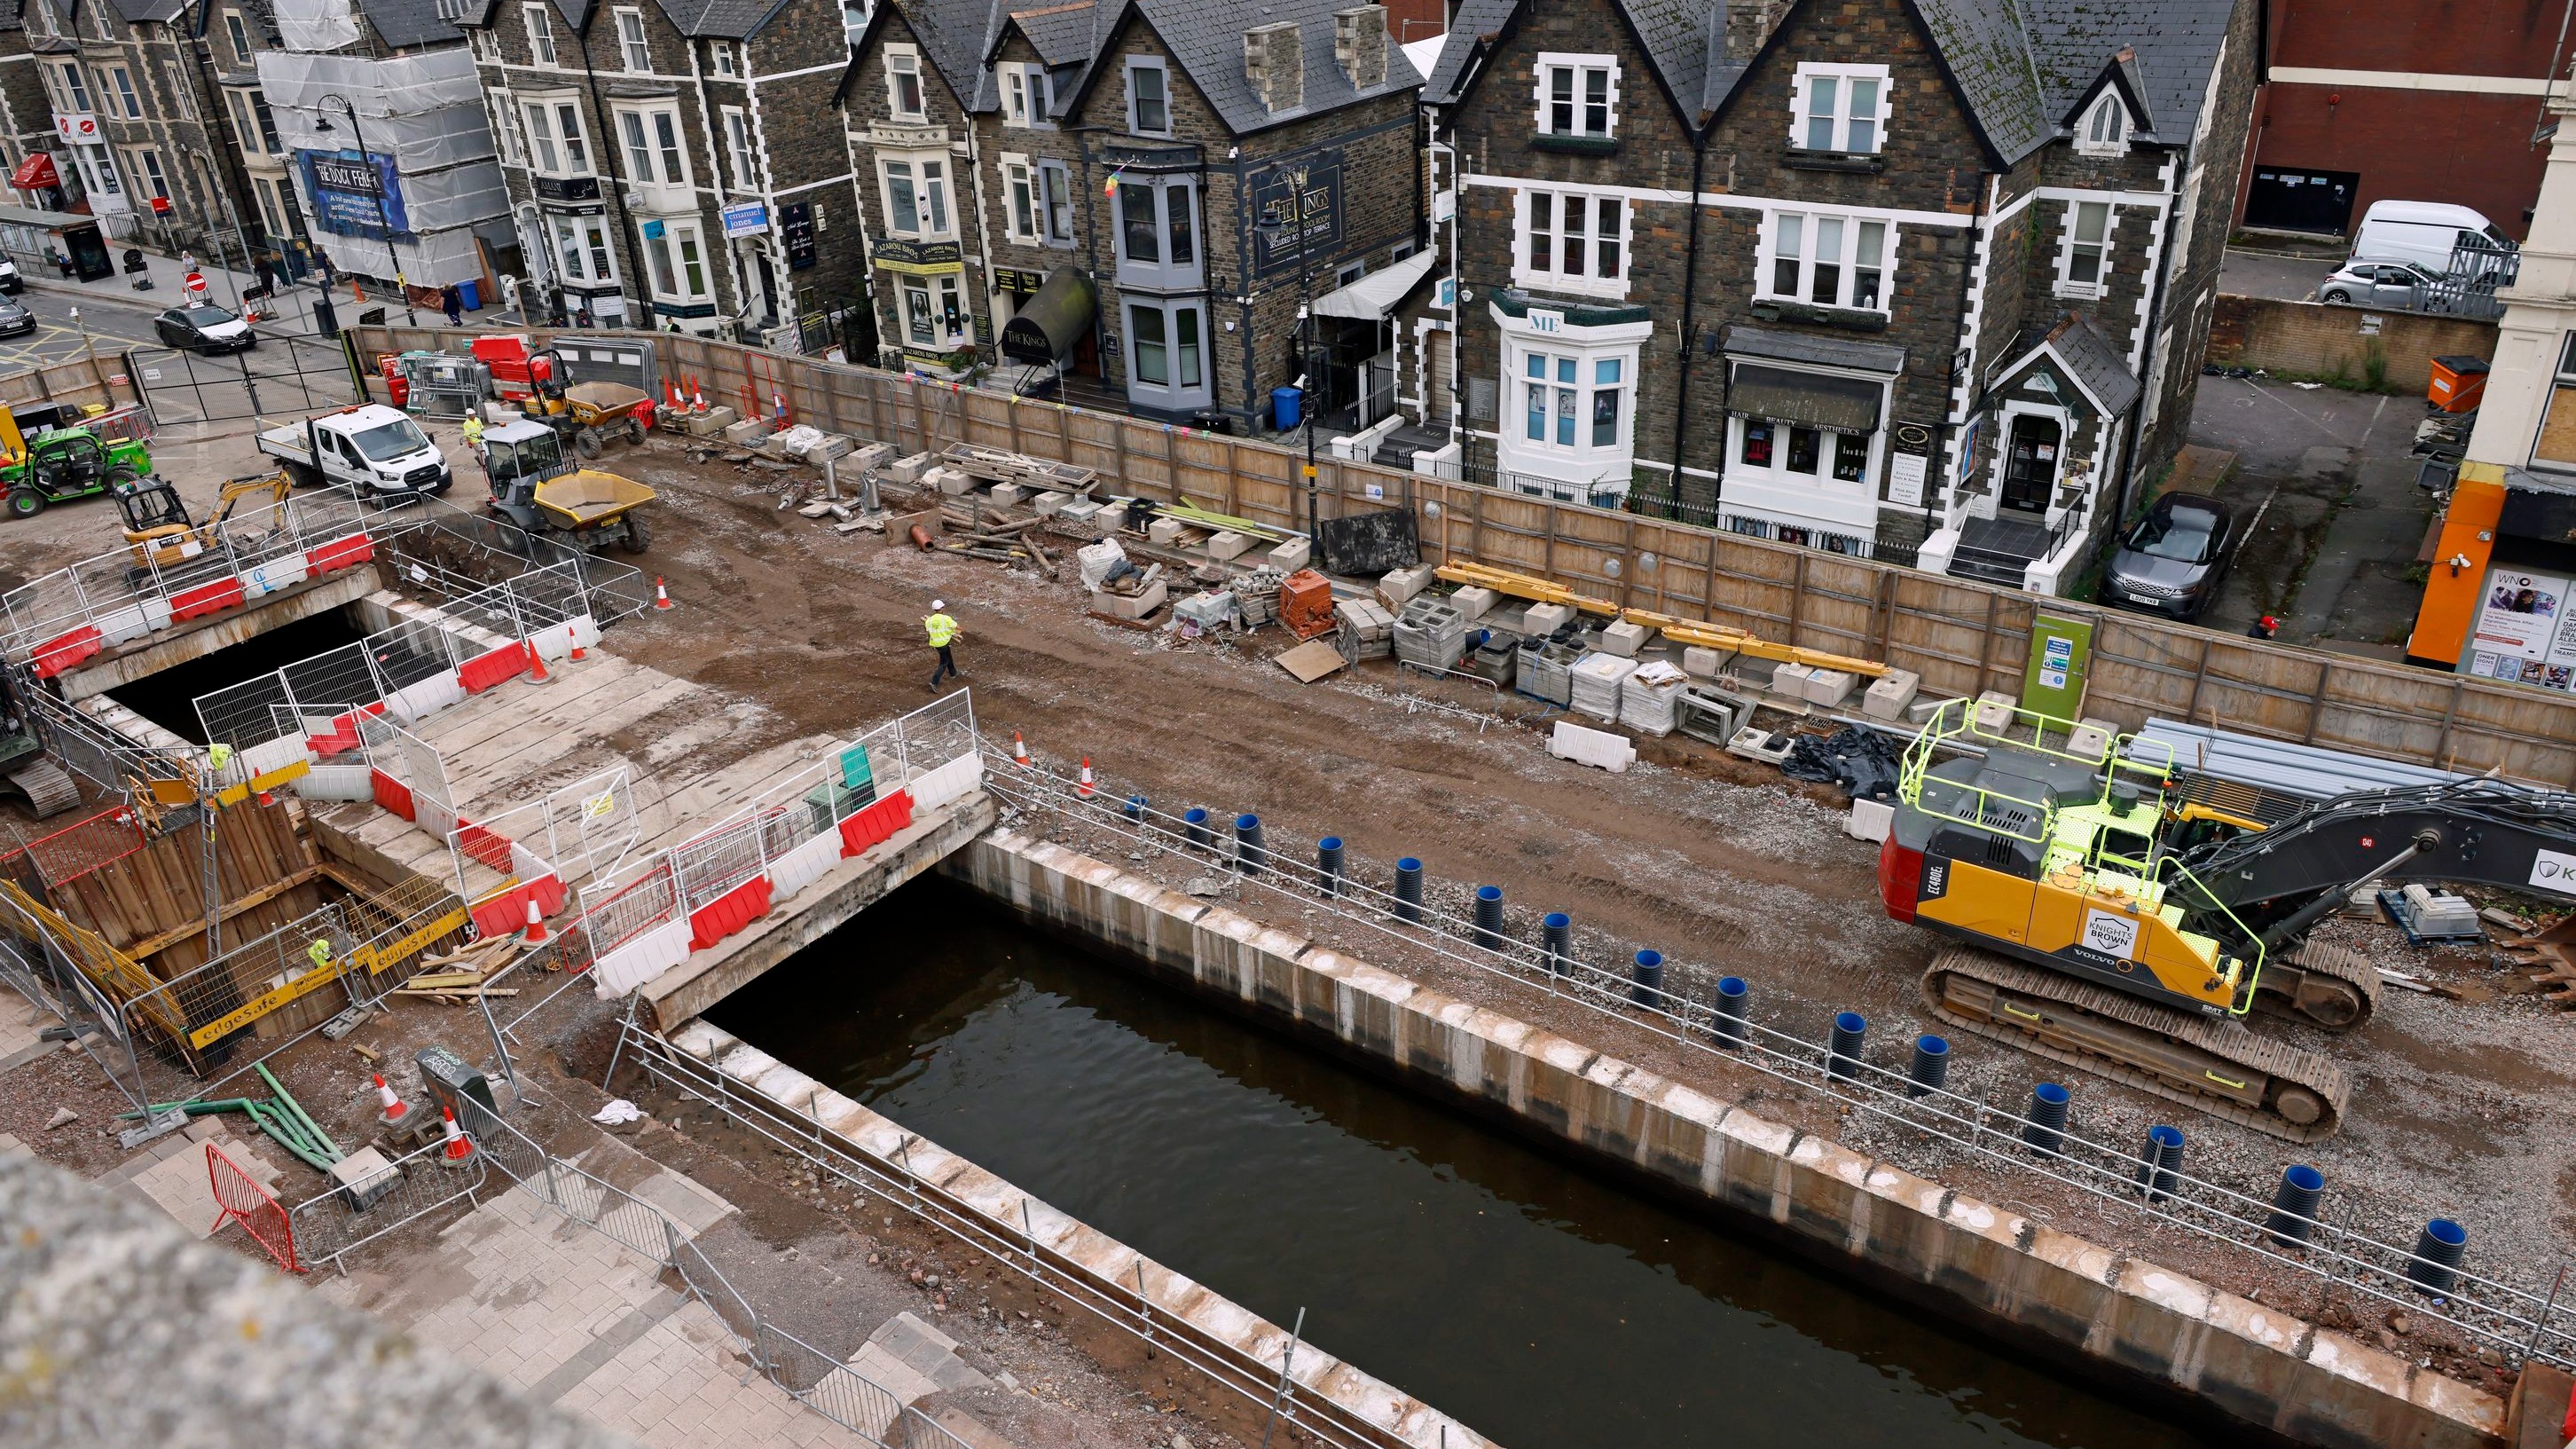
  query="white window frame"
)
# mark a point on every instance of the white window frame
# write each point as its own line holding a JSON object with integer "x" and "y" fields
{"x": 1807, "y": 234}
{"x": 1583, "y": 98}
{"x": 1028, "y": 96}
{"x": 541, "y": 35}
{"x": 238, "y": 31}
{"x": 902, "y": 63}
{"x": 591, "y": 243}
{"x": 634, "y": 50}
{"x": 1178, "y": 354}
{"x": 2068, "y": 246}
{"x": 665, "y": 144}
{"x": 555, "y": 148}
{"x": 1022, "y": 208}
{"x": 926, "y": 174}
{"x": 1590, "y": 472}
{"x": 1134, "y": 65}
{"x": 720, "y": 57}
{"x": 739, "y": 152}
{"x": 1055, "y": 190}
{"x": 673, "y": 276}
{"x": 2103, "y": 130}
{"x": 1805, "y": 90}
{"x": 487, "y": 45}
{"x": 1543, "y": 267}
{"x": 245, "y": 124}
{"x": 514, "y": 140}
{"x": 148, "y": 168}
{"x": 129, "y": 101}
{"x": 75, "y": 89}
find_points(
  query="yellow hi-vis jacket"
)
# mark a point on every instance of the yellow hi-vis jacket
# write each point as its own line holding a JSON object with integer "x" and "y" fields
{"x": 943, "y": 630}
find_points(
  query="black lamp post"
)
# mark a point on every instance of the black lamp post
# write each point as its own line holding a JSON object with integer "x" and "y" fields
{"x": 1306, "y": 340}
{"x": 384, "y": 219}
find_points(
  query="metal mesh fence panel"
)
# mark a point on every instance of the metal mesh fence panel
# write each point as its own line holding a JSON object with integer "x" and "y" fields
{"x": 330, "y": 682}
{"x": 410, "y": 653}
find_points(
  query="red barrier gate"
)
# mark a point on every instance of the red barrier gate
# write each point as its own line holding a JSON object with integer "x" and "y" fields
{"x": 247, "y": 1203}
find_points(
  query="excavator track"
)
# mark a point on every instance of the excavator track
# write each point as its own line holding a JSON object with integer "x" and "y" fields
{"x": 2217, "y": 1067}
{"x": 48, "y": 789}
{"x": 2322, "y": 985}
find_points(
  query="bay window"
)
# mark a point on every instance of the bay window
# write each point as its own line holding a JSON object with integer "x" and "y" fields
{"x": 1826, "y": 260}
{"x": 1569, "y": 402}
{"x": 581, "y": 244}
{"x": 916, "y": 198}
{"x": 1573, "y": 240}
{"x": 1158, "y": 230}
{"x": 554, "y": 139}
{"x": 1167, "y": 353}
{"x": 1839, "y": 109}
{"x": 654, "y": 156}
{"x": 677, "y": 259}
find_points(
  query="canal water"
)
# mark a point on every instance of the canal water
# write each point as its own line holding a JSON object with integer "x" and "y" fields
{"x": 1545, "y": 1308}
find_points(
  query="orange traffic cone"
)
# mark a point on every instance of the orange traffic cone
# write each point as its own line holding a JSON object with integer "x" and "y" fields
{"x": 697, "y": 396}
{"x": 536, "y": 664}
{"x": 536, "y": 932}
{"x": 1082, "y": 787}
{"x": 1020, "y": 752}
{"x": 459, "y": 1150}
{"x": 661, "y": 595}
{"x": 579, "y": 654}
{"x": 395, "y": 1108}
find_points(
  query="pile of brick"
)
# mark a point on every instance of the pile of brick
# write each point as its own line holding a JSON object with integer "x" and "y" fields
{"x": 1430, "y": 633}
{"x": 1368, "y": 630}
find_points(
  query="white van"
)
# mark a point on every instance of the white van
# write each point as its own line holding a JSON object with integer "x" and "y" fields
{"x": 2428, "y": 233}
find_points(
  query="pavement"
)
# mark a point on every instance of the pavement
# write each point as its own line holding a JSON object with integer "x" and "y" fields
{"x": 2279, "y": 274}
{"x": 2327, "y": 483}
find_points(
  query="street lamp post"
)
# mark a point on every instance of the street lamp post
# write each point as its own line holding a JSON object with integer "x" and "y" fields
{"x": 384, "y": 219}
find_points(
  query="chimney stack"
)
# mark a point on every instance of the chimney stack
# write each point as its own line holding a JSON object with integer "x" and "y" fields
{"x": 1359, "y": 44}
{"x": 1748, "y": 24}
{"x": 1274, "y": 60}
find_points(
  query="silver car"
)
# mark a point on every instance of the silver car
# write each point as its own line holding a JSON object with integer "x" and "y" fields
{"x": 2398, "y": 286}
{"x": 2172, "y": 561}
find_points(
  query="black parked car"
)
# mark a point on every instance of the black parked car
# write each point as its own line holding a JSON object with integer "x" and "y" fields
{"x": 204, "y": 327}
{"x": 2171, "y": 563}
{"x": 15, "y": 319}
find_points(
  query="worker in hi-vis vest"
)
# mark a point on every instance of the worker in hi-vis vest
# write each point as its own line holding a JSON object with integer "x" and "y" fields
{"x": 943, "y": 632}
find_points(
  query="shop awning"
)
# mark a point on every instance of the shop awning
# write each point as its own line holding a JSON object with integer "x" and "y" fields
{"x": 36, "y": 173}
{"x": 1053, "y": 321}
{"x": 1378, "y": 293}
{"x": 1845, "y": 404}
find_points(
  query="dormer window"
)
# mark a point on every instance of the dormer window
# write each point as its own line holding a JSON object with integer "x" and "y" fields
{"x": 1839, "y": 109}
{"x": 2105, "y": 131}
{"x": 903, "y": 83}
{"x": 1578, "y": 96}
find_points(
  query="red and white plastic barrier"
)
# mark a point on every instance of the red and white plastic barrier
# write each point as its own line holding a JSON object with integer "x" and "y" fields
{"x": 492, "y": 666}
{"x": 134, "y": 620}
{"x": 347, "y": 551}
{"x": 728, "y": 913}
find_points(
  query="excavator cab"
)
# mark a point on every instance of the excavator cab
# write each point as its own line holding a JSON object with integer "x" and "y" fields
{"x": 157, "y": 525}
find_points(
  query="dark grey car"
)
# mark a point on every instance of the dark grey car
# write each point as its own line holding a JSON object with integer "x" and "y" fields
{"x": 2171, "y": 563}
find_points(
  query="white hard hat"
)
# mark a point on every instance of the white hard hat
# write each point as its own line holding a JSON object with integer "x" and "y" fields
{"x": 938, "y": 604}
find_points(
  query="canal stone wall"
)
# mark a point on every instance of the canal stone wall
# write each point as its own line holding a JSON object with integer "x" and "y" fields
{"x": 2123, "y": 1318}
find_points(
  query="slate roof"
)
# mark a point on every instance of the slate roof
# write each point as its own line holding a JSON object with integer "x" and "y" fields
{"x": 1063, "y": 34}
{"x": 155, "y": 11}
{"x": 1747, "y": 340}
{"x": 2094, "y": 363}
{"x": 719, "y": 19}
{"x": 2023, "y": 65}
{"x": 409, "y": 22}
{"x": 1206, "y": 37}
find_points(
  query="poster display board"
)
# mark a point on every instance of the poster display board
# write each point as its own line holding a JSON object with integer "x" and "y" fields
{"x": 2524, "y": 634}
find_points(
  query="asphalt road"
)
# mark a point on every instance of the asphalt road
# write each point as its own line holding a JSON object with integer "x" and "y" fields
{"x": 107, "y": 323}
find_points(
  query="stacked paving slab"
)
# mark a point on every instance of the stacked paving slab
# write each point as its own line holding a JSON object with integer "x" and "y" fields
{"x": 1430, "y": 633}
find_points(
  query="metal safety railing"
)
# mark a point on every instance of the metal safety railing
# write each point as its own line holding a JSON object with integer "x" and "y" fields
{"x": 1128, "y": 1306}
{"x": 2518, "y": 1322}
{"x": 331, "y": 1225}
{"x": 817, "y": 1379}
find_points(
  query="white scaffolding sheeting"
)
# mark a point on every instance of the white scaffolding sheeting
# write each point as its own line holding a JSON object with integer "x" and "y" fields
{"x": 2291, "y": 769}
{"x": 315, "y": 24}
{"x": 430, "y": 260}
{"x": 424, "y": 110}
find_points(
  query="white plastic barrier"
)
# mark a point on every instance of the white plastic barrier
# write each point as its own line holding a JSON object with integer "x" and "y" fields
{"x": 804, "y": 865}
{"x": 640, "y": 960}
{"x": 526, "y": 864}
{"x": 259, "y": 759}
{"x": 415, "y": 702}
{"x": 948, "y": 782}
{"x": 277, "y": 573}
{"x": 1598, "y": 748}
{"x": 555, "y": 641}
{"x": 117, "y": 626}
{"x": 335, "y": 782}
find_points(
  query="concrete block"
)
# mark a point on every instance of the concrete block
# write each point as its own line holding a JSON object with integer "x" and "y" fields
{"x": 1047, "y": 503}
{"x": 1006, "y": 494}
{"x": 1130, "y": 606}
{"x": 1870, "y": 820}
{"x": 1292, "y": 555}
{"x": 1623, "y": 639}
{"x": 910, "y": 469}
{"x": 1227, "y": 545}
{"x": 1829, "y": 687}
{"x": 951, "y": 481}
{"x": 1398, "y": 588}
{"x": 709, "y": 423}
{"x": 747, "y": 433}
{"x": 1790, "y": 679}
{"x": 871, "y": 455}
{"x": 1701, "y": 662}
{"x": 2091, "y": 738}
{"x": 1163, "y": 530}
{"x": 834, "y": 447}
{"x": 1474, "y": 602}
{"x": 1994, "y": 712}
{"x": 362, "y": 1177}
{"x": 1547, "y": 618}
{"x": 1081, "y": 512}
{"x": 1890, "y": 693}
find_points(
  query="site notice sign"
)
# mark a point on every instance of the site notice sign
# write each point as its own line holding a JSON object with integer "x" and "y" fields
{"x": 2524, "y": 634}
{"x": 2053, "y": 682}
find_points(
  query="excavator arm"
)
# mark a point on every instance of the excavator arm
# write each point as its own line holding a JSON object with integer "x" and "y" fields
{"x": 2478, "y": 832}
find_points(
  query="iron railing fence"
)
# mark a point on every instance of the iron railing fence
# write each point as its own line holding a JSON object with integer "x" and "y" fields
{"x": 820, "y": 1381}
{"x": 1127, "y": 1306}
{"x": 2520, "y": 1323}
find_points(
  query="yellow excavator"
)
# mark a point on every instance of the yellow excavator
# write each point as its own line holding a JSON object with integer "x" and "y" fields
{"x": 2118, "y": 912}
{"x": 157, "y": 525}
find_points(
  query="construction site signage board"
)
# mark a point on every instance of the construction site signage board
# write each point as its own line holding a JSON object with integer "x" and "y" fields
{"x": 745, "y": 218}
{"x": 354, "y": 193}
{"x": 2053, "y": 682}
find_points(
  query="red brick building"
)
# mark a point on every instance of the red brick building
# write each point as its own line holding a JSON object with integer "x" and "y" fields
{"x": 2414, "y": 100}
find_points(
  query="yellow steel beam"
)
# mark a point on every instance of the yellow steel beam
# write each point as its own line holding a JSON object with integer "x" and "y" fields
{"x": 1679, "y": 630}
